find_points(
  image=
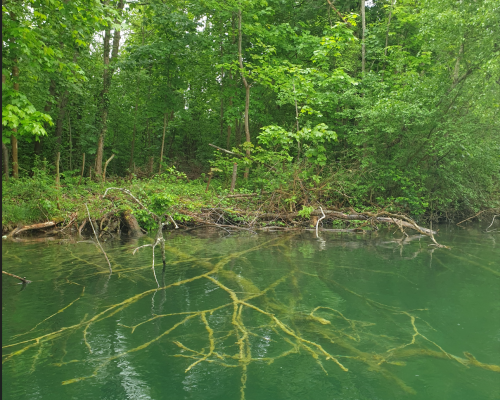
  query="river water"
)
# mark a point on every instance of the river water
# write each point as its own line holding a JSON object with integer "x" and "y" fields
{"x": 268, "y": 316}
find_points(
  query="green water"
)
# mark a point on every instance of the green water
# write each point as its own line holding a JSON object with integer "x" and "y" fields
{"x": 391, "y": 320}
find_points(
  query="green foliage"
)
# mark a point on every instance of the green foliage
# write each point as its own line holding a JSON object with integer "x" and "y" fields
{"x": 18, "y": 113}
{"x": 306, "y": 212}
{"x": 417, "y": 132}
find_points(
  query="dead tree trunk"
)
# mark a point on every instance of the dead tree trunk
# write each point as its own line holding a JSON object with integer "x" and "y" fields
{"x": 165, "y": 124}
{"x": 13, "y": 138}
{"x": 363, "y": 27}
{"x": 104, "y": 104}
{"x": 247, "y": 91}
{"x": 107, "y": 75}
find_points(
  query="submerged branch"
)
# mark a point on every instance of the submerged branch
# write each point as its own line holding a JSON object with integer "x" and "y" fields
{"x": 97, "y": 240}
{"x": 298, "y": 328}
{"x": 23, "y": 280}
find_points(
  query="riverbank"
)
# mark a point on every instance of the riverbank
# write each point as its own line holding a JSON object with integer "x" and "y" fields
{"x": 40, "y": 205}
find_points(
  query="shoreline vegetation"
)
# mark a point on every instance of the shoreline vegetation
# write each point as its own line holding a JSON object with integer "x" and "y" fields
{"x": 43, "y": 206}
{"x": 249, "y": 115}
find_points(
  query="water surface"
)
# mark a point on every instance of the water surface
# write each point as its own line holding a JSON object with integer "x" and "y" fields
{"x": 268, "y": 316}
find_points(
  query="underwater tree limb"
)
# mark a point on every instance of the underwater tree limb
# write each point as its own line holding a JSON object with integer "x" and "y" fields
{"x": 321, "y": 332}
{"x": 97, "y": 240}
{"x": 159, "y": 239}
{"x": 23, "y": 280}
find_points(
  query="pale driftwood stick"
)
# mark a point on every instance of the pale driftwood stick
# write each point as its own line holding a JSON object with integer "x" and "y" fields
{"x": 493, "y": 220}
{"x": 24, "y": 280}
{"x": 163, "y": 140}
{"x": 434, "y": 240}
{"x": 97, "y": 239}
{"x": 233, "y": 180}
{"x": 106, "y": 166}
{"x": 171, "y": 219}
{"x": 159, "y": 239}
{"x": 30, "y": 227}
{"x": 317, "y": 223}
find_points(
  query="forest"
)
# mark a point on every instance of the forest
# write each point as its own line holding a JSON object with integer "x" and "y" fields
{"x": 373, "y": 105}
{"x": 192, "y": 196}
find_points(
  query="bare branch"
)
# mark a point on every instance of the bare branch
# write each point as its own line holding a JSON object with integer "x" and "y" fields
{"x": 97, "y": 239}
{"x": 24, "y": 280}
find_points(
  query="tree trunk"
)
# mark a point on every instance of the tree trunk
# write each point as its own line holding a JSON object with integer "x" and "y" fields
{"x": 231, "y": 85}
{"x": 163, "y": 140}
{"x": 13, "y": 139}
{"x": 58, "y": 182}
{"x": 221, "y": 97}
{"x": 70, "y": 145}
{"x": 228, "y": 136}
{"x": 363, "y": 49}
{"x": 221, "y": 118}
{"x": 172, "y": 138}
{"x": 107, "y": 75}
{"x": 247, "y": 90}
{"x": 151, "y": 164}
{"x": 237, "y": 123}
{"x": 83, "y": 168}
{"x": 63, "y": 100}
{"x": 5, "y": 155}
{"x": 106, "y": 166}
{"x": 131, "y": 163}
{"x": 5, "y": 151}
{"x": 104, "y": 104}
{"x": 46, "y": 110}
{"x": 388, "y": 24}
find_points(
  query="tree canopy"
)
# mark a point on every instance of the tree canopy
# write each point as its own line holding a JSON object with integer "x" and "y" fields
{"x": 392, "y": 102}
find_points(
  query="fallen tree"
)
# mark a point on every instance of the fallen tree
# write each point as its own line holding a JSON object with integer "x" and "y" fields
{"x": 381, "y": 217}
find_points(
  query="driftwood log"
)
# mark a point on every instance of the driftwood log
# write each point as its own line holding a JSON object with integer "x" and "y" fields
{"x": 31, "y": 227}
